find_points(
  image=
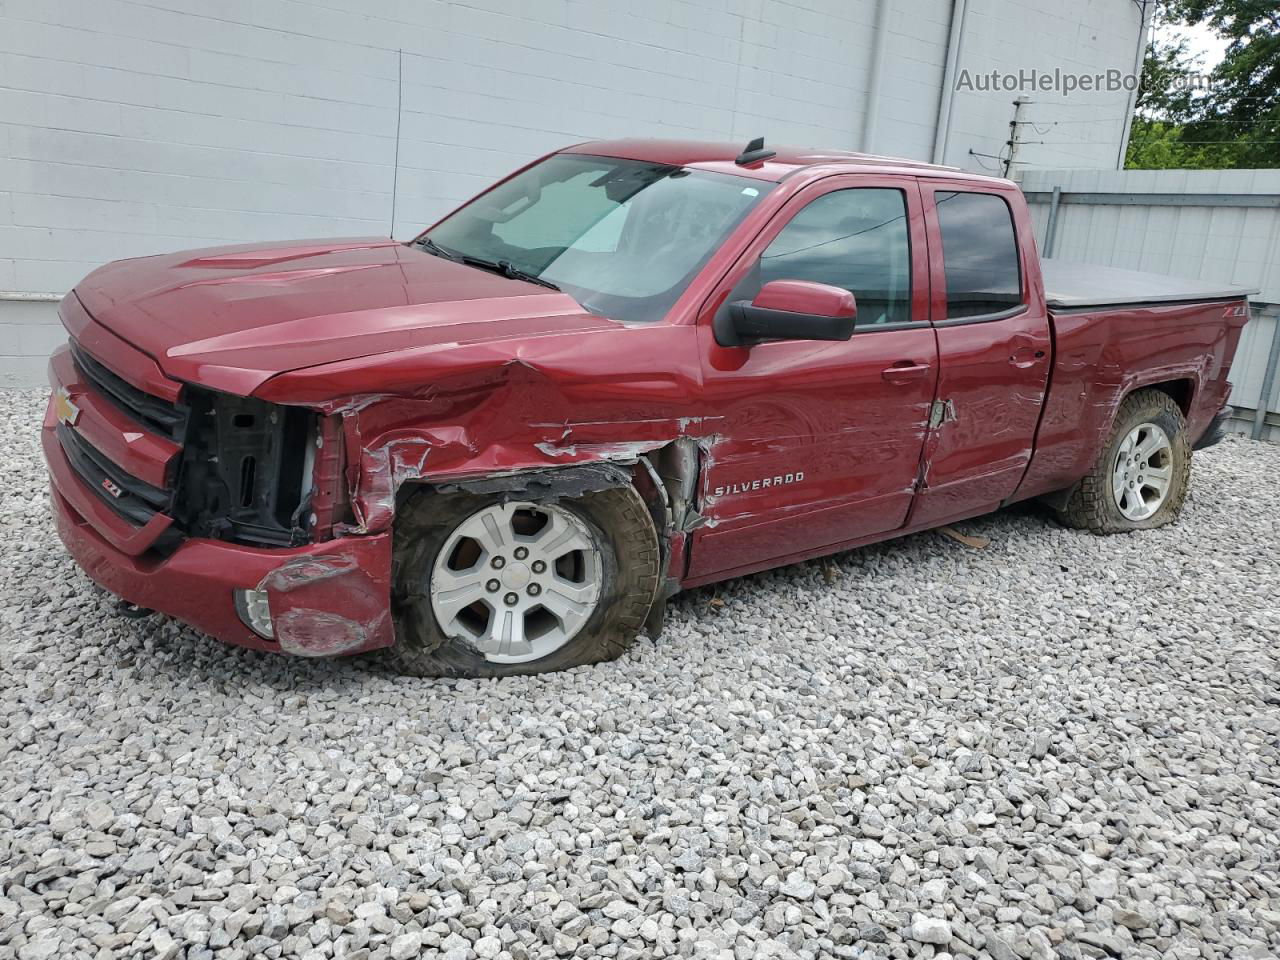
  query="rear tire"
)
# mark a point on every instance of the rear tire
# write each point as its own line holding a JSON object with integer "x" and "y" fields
{"x": 1148, "y": 449}
{"x": 617, "y": 567}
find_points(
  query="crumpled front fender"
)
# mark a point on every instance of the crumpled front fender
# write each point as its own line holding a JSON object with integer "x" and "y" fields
{"x": 502, "y": 408}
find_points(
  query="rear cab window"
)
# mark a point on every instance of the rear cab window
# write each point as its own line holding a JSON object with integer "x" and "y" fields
{"x": 981, "y": 263}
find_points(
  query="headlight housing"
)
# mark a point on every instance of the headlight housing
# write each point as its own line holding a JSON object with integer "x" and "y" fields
{"x": 255, "y": 612}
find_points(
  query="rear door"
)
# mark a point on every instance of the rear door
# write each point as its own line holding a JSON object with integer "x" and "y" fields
{"x": 819, "y": 443}
{"x": 994, "y": 350}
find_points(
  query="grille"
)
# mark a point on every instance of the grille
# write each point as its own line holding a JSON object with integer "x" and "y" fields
{"x": 155, "y": 414}
{"x": 243, "y": 473}
{"x": 136, "y": 501}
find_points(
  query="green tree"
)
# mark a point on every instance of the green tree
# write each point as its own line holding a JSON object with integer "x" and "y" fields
{"x": 1166, "y": 102}
{"x": 1240, "y": 110}
{"x": 1157, "y": 145}
{"x": 1168, "y": 74}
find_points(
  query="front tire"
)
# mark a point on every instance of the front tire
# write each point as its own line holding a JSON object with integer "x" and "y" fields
{"x": 1140, "y": 480}
{"x": 487, "y": 586}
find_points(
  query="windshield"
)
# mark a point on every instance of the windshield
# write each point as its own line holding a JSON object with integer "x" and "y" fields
{"x": 622, "y": 237}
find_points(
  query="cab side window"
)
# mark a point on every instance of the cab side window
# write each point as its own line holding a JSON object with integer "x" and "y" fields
{"x": 856, "y": 239}
{"x": 979, "y": 254}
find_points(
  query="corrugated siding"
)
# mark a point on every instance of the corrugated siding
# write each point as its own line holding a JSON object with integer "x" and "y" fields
{"x": 1233, "y": 244}
{"x": 1251, "y": 360}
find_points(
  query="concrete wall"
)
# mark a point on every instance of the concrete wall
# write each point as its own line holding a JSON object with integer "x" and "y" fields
{"x": 29, "y": 332}
{"x": 1083, "y": 129}
{"x": 131, "y": 127}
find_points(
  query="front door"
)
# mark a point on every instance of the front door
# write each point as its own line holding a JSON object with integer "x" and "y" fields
{"x": 994, "y": 353}
{"x": 819, "y": 443}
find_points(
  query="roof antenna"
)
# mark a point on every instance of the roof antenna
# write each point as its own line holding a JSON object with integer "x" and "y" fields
{"x": 754, "y": 153}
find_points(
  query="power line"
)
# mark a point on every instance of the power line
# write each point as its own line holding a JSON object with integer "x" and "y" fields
{"x": 1174, "y": 123}
{"x": 978, "y": 156}
{"x": 1103, "y": 143}
{"x": 1002, "y": 160}
{"x": 1187, "y": 123}
{"x": 823, "y": 243}
{"x": 1055, "y": 123}
{"x": 1240, "y": 143}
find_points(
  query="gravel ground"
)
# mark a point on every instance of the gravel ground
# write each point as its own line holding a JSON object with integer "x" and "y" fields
{"x": 1059, "y": 746}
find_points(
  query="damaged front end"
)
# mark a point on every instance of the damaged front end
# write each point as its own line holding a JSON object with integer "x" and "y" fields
{"x": 245, "y": 474}
{"x": 532, "y": 419}
{"x": 296, "y": 604}
{"x": 394, "y": 450}
{"x": 270, "y": 475}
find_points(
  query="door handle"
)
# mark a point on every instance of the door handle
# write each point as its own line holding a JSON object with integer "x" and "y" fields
{"x": 905, "y": 371}
{"x": 1025, "y": 357}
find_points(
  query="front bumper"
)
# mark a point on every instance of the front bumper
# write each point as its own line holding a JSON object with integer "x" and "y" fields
{"x": 325, "y": 598}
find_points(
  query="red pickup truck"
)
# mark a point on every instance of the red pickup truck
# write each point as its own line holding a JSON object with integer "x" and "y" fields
{"x": 627, "y": 369}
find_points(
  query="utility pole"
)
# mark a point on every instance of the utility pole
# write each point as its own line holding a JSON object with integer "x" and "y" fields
{"x": 1015, "y": 125}
{"x": 1146, "y": 32}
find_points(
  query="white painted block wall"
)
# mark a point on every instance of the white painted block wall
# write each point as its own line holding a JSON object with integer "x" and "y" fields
{"x": 132, "y": 127}
{"x": 1083, "y": 130}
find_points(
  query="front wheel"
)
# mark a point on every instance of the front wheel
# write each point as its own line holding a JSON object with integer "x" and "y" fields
{"x": 488, "y": 587}
{"x": 1140, "y": 481}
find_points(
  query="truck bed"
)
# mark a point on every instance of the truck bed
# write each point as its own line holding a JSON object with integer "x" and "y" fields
{"x": 1079, "y": 286}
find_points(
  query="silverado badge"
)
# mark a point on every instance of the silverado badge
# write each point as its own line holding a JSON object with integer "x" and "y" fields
{"x": 66, "y": 411}
{"x": 760, "y": 483}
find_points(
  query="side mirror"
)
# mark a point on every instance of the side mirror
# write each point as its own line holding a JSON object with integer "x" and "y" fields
{"x": 790, "y": 310}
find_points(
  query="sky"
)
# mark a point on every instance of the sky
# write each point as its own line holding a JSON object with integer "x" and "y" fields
{"x": 1204, "y": 42}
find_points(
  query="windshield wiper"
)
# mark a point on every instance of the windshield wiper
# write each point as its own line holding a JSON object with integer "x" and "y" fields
{"x": 432, "y": 247}
{"x": 515, "y": 273}
{"x": 507, "y": 269}
{"x": 503, "y": 267}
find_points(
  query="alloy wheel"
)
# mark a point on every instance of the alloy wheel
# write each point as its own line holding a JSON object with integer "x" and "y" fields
{"x": 1143, "y": 472}
{"x": 517, "y": 581}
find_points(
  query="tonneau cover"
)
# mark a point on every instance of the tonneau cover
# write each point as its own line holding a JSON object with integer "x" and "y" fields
{"x": 1073, "y": 286}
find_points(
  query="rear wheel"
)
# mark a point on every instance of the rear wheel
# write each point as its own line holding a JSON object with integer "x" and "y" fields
{"x": 486, "y": 587}
{"x": 1141, "y": 478}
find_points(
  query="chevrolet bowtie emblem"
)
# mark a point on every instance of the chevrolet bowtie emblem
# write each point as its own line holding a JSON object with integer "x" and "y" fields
{"x": 67, "y": 412}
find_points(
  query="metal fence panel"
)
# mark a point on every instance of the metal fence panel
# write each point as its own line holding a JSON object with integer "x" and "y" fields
{"x": 1221, "y": 225}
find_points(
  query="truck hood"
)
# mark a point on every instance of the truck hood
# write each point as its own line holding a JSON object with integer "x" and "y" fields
{"x": 231, "y": 318}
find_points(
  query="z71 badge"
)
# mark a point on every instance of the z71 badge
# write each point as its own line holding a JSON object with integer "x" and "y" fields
{"x": 764, "y": 483}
